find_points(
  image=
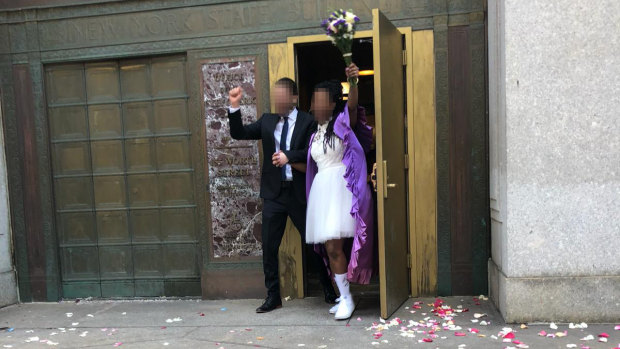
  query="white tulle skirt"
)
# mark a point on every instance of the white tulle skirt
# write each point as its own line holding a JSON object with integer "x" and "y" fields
{"x": 329, "y": 207}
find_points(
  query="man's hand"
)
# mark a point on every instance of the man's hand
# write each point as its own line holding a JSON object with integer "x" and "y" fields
{"x": 279, "y": 159}
{"x": 373, "y": 176}
{"x": 234, "y": 97}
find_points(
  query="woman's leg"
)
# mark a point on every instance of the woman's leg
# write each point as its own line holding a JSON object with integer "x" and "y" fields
{"x": 338, "y": 264}
{"x": 337, "y": 259}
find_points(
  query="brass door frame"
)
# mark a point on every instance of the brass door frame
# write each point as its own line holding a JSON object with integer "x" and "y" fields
{"x": 421, "y": 157}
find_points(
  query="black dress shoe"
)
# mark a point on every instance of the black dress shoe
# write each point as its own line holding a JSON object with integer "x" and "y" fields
{"x": 271, "y": 303}
{"x": 330, "y": 294}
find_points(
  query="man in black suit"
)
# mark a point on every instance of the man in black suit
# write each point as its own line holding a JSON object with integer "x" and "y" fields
{"x": 285, "y": 137}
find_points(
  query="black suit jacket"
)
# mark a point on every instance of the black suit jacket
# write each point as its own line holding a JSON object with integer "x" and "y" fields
{"x": 263, "y": 128}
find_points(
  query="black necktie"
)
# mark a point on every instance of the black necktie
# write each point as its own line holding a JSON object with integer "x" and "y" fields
{"x": 283, "y": 137}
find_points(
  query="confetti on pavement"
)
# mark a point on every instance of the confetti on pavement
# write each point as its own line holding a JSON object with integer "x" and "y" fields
{"x": 441, "y": 324}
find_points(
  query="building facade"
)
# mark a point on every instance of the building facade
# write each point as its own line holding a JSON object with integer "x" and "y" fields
{"x": 122, "y": 182}
{"x": 122, "y": 177}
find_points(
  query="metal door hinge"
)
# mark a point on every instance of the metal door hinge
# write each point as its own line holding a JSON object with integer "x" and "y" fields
{"x": 406, "y": 161}
{"x": 409, "y": 262}
{"x": 404, "y": 57}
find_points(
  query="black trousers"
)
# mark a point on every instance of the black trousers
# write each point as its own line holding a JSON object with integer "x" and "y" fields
{"x": 275, "y": 213}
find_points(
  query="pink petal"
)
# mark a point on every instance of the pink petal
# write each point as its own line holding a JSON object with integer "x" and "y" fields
{"x": 617, "y": 328}
{"x": 542, "y": 333}
{"x": 460, "y": 334}
{"x": 516, "y": 341}
{"x": 427, "y": 340}
{"x": 509, "y": 335}
{"x": 118, "y": 344}
{"x": 604, "y": 335}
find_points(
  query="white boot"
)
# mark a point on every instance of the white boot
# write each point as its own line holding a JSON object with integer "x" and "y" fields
{"x": 334, "y": 309}
{"x": 346, "y": 304}
{"x": 345, "y": 308}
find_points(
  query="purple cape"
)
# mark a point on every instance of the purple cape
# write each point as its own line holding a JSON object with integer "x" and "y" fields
{"x": 357, "y": 142}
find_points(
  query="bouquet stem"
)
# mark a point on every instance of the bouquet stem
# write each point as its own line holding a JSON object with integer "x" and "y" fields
{"x": 348, "y": 59}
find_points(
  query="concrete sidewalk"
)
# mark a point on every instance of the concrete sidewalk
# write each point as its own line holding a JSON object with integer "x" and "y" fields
{"x": 300, "y": 323}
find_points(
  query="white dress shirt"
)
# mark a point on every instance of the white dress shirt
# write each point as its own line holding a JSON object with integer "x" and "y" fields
{"x": 292, "y": 117}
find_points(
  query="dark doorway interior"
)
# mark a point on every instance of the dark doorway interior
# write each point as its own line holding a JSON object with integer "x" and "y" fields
{"x": 316, "y": 62}
{"x": 319, "y": 61}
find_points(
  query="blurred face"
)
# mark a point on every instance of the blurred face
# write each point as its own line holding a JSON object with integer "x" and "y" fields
{"x": 284, "y": 99}
{"x": 322, "y": 107}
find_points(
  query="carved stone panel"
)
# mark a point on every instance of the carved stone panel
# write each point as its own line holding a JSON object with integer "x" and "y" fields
{"x": 233, "y": 166}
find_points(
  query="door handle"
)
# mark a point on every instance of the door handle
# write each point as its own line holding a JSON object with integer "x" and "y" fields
{"x": 386, "y": 185}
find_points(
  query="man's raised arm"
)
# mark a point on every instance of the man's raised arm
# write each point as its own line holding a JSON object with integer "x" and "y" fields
{"x": 238, "y": 130}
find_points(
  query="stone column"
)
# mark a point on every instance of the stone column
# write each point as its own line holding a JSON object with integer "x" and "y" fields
{"x": 8, "y": 286}
{"x": 554, "y": 133}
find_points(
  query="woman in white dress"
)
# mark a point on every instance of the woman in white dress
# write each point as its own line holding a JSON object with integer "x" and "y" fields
{"x": 339, "y": 201}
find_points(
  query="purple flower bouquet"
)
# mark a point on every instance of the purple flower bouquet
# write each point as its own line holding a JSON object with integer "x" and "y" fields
{"x": 340, "y": 28}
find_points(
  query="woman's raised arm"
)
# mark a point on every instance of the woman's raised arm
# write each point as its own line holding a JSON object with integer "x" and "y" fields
{"x": 352, "y": 71}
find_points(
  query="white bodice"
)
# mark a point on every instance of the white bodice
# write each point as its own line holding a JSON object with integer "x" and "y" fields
{"x": 330, "y": 158}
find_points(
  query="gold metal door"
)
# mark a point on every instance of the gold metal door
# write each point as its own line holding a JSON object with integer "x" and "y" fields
{"x": 391, "y": 188}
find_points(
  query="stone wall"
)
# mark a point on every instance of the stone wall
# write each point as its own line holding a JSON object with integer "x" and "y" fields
{"x": 8, "y": 287}
{"x": 554, "y": 159}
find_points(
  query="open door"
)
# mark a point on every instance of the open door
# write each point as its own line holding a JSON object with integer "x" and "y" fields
{"x": 391, "y": 176}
